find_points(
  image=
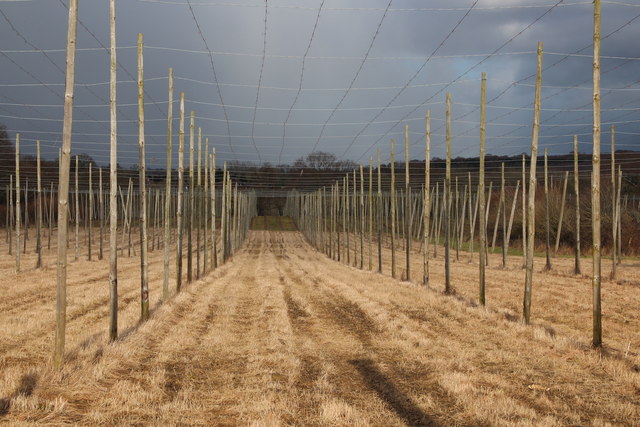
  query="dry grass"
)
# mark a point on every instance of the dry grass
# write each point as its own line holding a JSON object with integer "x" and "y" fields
{"x": 282, "y": 335}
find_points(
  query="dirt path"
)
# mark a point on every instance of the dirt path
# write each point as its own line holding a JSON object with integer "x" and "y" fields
{"x": 282, "y": 335}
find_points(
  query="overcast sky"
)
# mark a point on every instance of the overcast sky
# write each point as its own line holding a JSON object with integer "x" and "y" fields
{"x": 338, "y": 103}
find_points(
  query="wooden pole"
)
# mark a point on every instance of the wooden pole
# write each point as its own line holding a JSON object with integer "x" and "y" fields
{"x": 531, "y": 217}
{"x": 39, "y": 213}
{"x": 472, "y": 220}
{"x": 18, "y": 196}
{"x": 144, "y": 261}
{"x": 487, "y": 219}
{"x": 223, "y": 219}
{"x": 426, "y": 210}
{"x": 393, "y": 210}
{"x": 50, "y": 220}
{"x": 482, "y": 233}
{"x": 129, "y": 215}
{"x": 63, "y": 187}
{"x": 379, "y": 215}
{"x": 595, "y": 182}
{"x": 407, "y": 206}
{"x": 614, "y": 214}
{"x": 166, "y": 241}
{"x": 447, "y": 209}
{"x": 437, "y": 211}
{"x": 113, "y": 200}
{"x": 497, "y": 220}
{"x": 547, "y": 228}
{"x": 460, "y": 230}
{"x": 576, "y": 189}
{"x": 457, "y": 221}
{"x": 90, "y": 211}
{"x": 191, "y": 201}
{"x": 354, "y": 210}
{"x": 524, "y": 213}
{"x": 618, "y": 218}
{"x": 513, "y": 211}
{"x": 370, "y": 212}
{"x": 100, "y": 213}
{"x": 11, "y": 212}
{"x": 198, "y": 207}
{"x": 7, "y": 214}
{"x": 26, "y": 216}
{"x": 504, "y": 220}
{"x": 362, "y": 219}
{"x": 205, "y": 199}
{"x": 180, "y": 201}
{"x": 7, "y": 225}
{"x": 347, "y": 219}
{"x": 77, "y": 212}
{"x": 214, "y": 250}
{"x": 559, "y": 230}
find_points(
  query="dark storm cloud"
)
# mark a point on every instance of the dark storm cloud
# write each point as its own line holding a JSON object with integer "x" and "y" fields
{"x": 409, "y": 35}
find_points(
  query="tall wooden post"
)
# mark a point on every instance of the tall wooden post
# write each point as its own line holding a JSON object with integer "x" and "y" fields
{"x": 513, "y": 211}
{"x": 90, "y": 216}
{"x": 576, "y": 190}
{"x": 487, "y": 218}
{"x": 198, "y": 207}
{"x": 214, "y": 250}
{"x": 113, "y": 198}
{"x": 191, "y": 201}
{"x": 564, "y": 195}
{"x": 472, "y": 219}
{"x": 547, "y": 227}
{"x": 531, "y": 208}
{"x": 7, "y": 223}
{"x": 503, "y": 197}
{"x": 180, "y": 201}
{"x": 101, "y": 212}
{"x": 595, "y": 181}
{"x": 379, "y": 215}
{"x": 618, "y": 219}
{"x": 224, "y": 219}
{"x": 524, "y": 213}
{"x": 362, "y": 219}
{"x": 447, "y": 208}
{"x": 26, "y": 216}
{"x": 614, "y": 213}
{"x": 354, "y": 204}
{"x": 50, "y": 215}
{"x": 482, "y": 233}
{"x": 77, "y": 212}
{"x": 426, "y": 210}
{"x": 407, "y": 205}
{"x": 11, "y": 213}
{"x": 457, "y": 220}
{"x": 63, "y": 186}
{"x": 144, "y": 262}
{"x": 18, "y": 196}
{"x": 166, "y": 241}
{"x": 205, "y": 209}
{"x": 370, "y": 212}
{"x": 393, "y": 210}
{"x": 39, "y": 213}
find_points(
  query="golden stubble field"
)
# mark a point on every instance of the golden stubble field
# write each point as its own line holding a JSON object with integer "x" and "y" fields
{"x": 282, "y": 335}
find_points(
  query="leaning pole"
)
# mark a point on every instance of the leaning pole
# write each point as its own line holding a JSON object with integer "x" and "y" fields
{"x": 63, "y": 186}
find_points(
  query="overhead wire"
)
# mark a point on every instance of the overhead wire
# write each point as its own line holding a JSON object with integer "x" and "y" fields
{"x": 264, "y": 53}
{"x": 468, "y": 70}
{"x": 355, "y": 77}
{"x": 214, "y": 73}
{"x": 301, "y": 80}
